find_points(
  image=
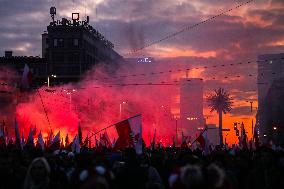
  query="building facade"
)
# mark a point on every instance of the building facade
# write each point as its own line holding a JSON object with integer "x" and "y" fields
{"x": 270, "y": 69}
{"x": 72, "y": 47}
{"x": 191, "y": 105}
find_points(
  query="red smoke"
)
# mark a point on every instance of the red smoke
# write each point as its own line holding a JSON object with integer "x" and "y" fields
{"x": 98, "y": 104}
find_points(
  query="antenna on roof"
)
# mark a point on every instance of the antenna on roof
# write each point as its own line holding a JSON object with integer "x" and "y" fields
{"x": 52, "y": 12}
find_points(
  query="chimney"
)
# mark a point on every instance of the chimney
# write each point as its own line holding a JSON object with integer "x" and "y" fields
{"x": 8, "y": 54}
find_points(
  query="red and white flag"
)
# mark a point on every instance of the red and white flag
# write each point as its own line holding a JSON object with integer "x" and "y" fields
{"x": 26, "y": 78}
{"x": 203, "y": 141}
{"x": 130, "y": 133}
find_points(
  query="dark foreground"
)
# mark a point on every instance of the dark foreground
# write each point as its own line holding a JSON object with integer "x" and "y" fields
{"x": 156, "y": 169}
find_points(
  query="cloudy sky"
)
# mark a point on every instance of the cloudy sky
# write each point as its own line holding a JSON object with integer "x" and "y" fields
{"x": 239, "y": 36}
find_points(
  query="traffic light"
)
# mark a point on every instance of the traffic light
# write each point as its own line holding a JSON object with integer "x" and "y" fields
{"x": 235, "y": 126}
{"x": 237, "y": 132}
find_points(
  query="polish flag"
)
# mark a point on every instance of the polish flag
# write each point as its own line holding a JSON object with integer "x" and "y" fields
{"x": 130, "y": 133}
{"x": 203, "y": 141}
{"x": 26, "y": 78}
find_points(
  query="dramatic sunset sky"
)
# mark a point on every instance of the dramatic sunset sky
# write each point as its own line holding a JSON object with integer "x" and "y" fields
{"x": 239, "y": 36}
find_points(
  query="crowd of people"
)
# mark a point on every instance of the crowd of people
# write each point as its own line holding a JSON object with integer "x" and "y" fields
{"x": 162, "y": 168}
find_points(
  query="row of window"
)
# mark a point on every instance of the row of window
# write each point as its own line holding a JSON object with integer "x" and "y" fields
{"x": 59, "y": 42}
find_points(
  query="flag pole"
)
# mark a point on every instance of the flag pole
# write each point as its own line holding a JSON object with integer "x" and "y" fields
{"x": 94, "y": 133}
{"x": 46, "y": 115}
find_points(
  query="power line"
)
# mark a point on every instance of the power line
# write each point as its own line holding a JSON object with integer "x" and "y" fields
{"x": 184, "y": 69}
{"x": 187, "y": 28}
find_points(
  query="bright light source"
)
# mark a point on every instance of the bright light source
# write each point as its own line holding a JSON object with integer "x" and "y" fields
{"x": 123, "y": 102}
{"x": 73, "y": 90}
{"x": 274, "y": 128}
{"x": 75, "y": 16}
{"x": 264, "y": 135}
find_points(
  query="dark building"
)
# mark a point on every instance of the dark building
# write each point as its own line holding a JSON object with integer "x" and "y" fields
{"x": 273, "y": 113}
{"x": 191, "y": 105}
{"x": 71, "y": 47}
{"x": 270, "y": 70}
{"x": 37, "y": 65}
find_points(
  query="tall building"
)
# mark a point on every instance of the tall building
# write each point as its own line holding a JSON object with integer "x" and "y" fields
{"x": 191, "y": 105}
{"x": 71, "y": 47}
{"x": 273, "y": 113}
{"x": 270, "y": 68}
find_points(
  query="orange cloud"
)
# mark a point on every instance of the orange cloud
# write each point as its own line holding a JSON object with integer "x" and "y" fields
{"x": 170, "y": 52}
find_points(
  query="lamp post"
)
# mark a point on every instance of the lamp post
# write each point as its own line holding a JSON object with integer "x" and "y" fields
{"x": 54, "y": 76}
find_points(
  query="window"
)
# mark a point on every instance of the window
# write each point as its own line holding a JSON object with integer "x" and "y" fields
{"x": 58, "y": 42}
{"x": 76, "y": 42}
{"x": 55, "y": 44}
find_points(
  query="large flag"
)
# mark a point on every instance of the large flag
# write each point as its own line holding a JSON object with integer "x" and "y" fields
{"x": 130, "y": 133}
{"x": 26, "y": 78}
{"x": 55, "y": 144}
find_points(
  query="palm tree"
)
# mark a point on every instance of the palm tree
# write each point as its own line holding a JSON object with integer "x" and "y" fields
{"x": 221, "y": 102}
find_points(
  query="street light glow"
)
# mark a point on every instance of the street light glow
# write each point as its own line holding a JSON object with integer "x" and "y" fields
{"x": 274, "y": 128}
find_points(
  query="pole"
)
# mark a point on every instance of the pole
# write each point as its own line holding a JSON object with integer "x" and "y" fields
{"x": 120, "y": 110}
{"x": 70, "y": 102}
{"x": 47, "y": 81}
{"x": 176, "y": 132}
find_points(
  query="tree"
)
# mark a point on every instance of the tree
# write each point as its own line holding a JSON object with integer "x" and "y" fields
{"x": 221, "y": 102}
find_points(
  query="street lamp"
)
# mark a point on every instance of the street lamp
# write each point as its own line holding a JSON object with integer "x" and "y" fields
{"x": 54, "y": 76}
{"x": 274, "y": 128}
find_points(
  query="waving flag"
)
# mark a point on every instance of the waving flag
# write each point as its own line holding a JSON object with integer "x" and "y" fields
{"x": 203, "y": 141}
{"x": 130, "y": 133}
{"x": 26, "y": 78}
